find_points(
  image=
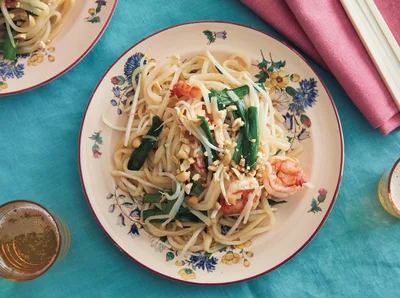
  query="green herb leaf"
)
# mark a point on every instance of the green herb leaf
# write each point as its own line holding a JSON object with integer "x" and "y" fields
{"x": 196, "y": 189}
{"x": 140, "y": 154}
{"x": 152, "y": 197}
{"x": 273, "y": 202}
{"x": 277, "y": 152}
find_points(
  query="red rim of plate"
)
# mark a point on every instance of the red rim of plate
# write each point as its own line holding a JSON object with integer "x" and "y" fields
{"x": 299, "y": 249}
{"x": 73, "y": 64}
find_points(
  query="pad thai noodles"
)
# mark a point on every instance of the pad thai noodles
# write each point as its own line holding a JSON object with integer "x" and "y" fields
{"x": 204, "y": 148}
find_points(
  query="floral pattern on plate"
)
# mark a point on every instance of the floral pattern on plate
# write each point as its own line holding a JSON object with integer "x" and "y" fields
{"x": 290, "y": 95}
{"x": 122, "y": 84}
{"x": 15, "y": 69}
{"x": 129, "y": 208}
{"x": 316, "y": 202}
{"x": 94, "y": 12}
{"x": 212, "y": 36}
{"x": 98, "y": 140}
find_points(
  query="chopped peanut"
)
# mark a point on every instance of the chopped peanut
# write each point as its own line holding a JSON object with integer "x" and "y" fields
{"x": 178, "y": 223}
{"x": 185, "y": 148}
{"x": 212, "y": 168}
{"x": 183, "y": 176}
{"x": 232, "y": 200}
{"x": 193, "y": 200}
{"x": 184, "y": 165}
{"x": 205, "y": 153}
{"x": 216, "y": 162}
{"x": 227, "y": 158}
{"x": 221, "y": 114}
{"x": 188, "y": 187}
{"x": 231, "y": 108}
{"x": 242, "y": 162}
{"x": 136, "y": 142}
{"x": 182, "y": 154}
{"x": 196, "y": 177}
{"x": 237, "y": 124}
{"x": 228, "y": 143}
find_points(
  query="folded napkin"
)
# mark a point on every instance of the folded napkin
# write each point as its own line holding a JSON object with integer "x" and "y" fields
{"x": 323, "y": 31}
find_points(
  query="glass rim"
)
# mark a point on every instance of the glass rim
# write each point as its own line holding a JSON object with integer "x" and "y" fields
{"x": 58, "y": 236}
{"x": 389, "y": 184}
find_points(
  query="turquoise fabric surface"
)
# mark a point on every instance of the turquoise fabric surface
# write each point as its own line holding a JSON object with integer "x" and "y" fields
{"x": 356, "y": 253}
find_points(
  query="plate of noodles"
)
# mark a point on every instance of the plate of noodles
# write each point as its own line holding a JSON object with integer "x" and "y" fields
{"x": 214, "y": 158}
{"x": 42, "y": 39}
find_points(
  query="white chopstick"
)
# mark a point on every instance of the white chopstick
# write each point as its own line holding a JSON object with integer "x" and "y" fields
{"x": 378, "y": 40}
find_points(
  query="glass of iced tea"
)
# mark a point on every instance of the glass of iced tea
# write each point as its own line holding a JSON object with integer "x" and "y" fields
{"x": 31, "y": 240}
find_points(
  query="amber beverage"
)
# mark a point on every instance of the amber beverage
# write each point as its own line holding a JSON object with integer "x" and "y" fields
{"x": 31, "y": 240}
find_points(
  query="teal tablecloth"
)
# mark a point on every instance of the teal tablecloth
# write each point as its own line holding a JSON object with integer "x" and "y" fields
{"x": 356, "y": 253}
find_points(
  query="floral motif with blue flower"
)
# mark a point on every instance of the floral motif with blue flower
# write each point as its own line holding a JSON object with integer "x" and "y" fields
{"x": 122, "y": 89}
{"x": 290, "y": 95}
{"x": 129, "y": 208}
{"x": 15, "y": 69}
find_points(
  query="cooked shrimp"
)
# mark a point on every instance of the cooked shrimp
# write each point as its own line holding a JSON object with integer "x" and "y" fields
{"x": 238, "y": 193}
{"x": 182, "y": 88}
{"x": 283, "y": 177}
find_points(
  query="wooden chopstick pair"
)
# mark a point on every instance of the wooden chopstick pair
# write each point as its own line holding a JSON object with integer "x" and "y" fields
{"x": 379, "y": 41}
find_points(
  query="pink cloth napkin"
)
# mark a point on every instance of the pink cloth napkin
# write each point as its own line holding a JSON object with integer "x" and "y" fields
{"x": 323, "y": 31}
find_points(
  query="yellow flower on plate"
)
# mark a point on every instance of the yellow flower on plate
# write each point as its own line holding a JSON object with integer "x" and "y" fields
{"x": 3, "y": 86}
{"x": 246, "y": 263}
{"x": 277, "y": 79}
{"x": 249, "y": 254}
{"x": 179, "y": 263}
{"x": 35, "y": 59}
{"x": 230, "y": 258}
{"x": 187, "y": 274}
{"x": 91, "y": 11}
{"x": 295, "y": 77}
{"x": 51, "y": 49}
{"x": 51, "y": 58}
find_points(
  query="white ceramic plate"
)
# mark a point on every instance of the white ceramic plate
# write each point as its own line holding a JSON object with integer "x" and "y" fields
{"x": 316, "y": 125}
{"x": 83, "y": 29}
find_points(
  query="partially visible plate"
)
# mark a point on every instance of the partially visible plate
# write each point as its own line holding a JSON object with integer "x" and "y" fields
{"x": 83, "y": 29}
{"x": 310, "y": 118}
